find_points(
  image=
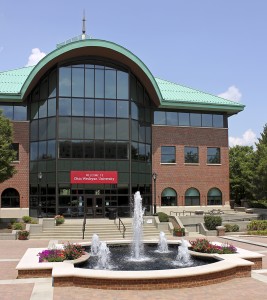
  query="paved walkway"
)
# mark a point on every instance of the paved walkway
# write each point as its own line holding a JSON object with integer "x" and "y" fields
{"x": 41, "y": 288}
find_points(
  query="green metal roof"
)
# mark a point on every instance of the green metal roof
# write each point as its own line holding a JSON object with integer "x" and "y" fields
{"x": 14, "y": 83}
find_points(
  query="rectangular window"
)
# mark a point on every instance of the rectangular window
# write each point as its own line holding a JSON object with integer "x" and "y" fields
{"x": 15, "y": 147}
{"x": 213, "y": 156}
{"x": 168, "y": 154}
{"x": 191, "y": 155}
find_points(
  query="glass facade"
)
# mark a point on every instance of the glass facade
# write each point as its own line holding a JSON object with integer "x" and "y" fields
{"x": 89, "y": 115}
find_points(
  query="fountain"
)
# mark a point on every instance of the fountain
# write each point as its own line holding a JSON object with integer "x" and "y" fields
{"x": 163, "y": 244}
{"x": 183, "y": 257}
{"x": 95, "y": 244}
{"x": 137, "y": 243}
{"x": 103, "y": 256}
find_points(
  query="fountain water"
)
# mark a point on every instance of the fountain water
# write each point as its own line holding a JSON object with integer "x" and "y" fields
{"x": 163, "y": 244}
{"x": 137, "y": 243}
{"x": 103, "y": 256}
{"x": 184, "y": 257}
{"x": 95, "y": 244}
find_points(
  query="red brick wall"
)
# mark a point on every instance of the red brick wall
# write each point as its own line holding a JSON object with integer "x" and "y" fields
{"x": 20, "y": 181}
{"x": 181, "y": 176}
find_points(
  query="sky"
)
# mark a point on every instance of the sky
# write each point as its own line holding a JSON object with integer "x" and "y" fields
{"x": 215, "y": 46}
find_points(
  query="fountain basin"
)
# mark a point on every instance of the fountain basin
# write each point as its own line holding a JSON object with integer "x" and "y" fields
{"x": 229, "y": 266}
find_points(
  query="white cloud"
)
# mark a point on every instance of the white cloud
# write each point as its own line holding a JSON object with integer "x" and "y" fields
{"x": 35, "y": 57}
{"x": 232, "y": 93}
{"x": 248, "y": 139}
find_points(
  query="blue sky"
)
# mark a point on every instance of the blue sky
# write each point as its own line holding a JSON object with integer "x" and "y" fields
{"x": 216, "y": 46}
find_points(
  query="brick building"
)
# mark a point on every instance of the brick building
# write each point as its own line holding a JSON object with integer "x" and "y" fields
{"x": 92, "y": 125}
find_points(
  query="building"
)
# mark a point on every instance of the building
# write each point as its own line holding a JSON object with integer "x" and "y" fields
{"x": 92, "y": 125}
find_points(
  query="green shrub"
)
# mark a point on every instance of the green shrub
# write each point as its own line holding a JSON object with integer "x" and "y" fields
{"x": 259, "y": 232}
{"x": 27, "y": 219}
{"x": 231, "y": 228}
{"x": 163, "y": 217}
{"x": 59, "y": 219}
{"x": 257, "y": 225}
{"x": 258, "y": 204}
{"x": 211, "y": 222}
{"x": 17, "y": 226}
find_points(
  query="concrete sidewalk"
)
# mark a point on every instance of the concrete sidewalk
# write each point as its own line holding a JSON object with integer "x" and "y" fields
{"x": 41, "y": 288}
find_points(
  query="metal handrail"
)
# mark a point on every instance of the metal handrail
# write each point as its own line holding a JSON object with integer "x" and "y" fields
{"x": 119, "y": 227}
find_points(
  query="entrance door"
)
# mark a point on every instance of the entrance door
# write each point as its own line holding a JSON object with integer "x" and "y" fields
{"x": 95, "y": 206}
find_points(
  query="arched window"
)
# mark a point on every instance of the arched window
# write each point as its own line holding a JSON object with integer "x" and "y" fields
{"x": 192, "y": 197}
{"x": 169, "y": 197}
{"x": 10, "y": 198}
{"x": 214, "y": 197}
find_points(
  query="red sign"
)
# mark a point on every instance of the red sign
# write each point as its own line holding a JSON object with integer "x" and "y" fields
{"x": 94, "y": 177}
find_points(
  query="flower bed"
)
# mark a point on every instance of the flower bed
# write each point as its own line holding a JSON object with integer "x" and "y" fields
{"x": 204, "y": 246}
{"x": 59, "y": 219}
{"x": 69, "y": 252}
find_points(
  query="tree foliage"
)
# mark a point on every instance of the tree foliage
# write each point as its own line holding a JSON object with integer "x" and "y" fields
{"x": 261, "y": 166}
{"x": 7, "y": 154}
{"x": 242, "y": 166}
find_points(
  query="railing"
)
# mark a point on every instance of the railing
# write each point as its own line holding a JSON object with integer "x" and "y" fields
{"x": 183, "y": 213}
{"x": 121, "y": 225}
{"x": 84, "y": 223}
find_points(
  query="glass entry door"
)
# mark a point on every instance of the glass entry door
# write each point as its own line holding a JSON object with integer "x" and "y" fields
{"x": 95, "y": 206}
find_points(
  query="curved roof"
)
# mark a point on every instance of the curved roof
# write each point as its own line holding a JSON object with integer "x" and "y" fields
{"x": 15, "y": 85}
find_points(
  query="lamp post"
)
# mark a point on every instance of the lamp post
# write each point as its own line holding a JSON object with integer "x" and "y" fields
{"x": 40, "y": 176}
{"x": 154, "y": 176}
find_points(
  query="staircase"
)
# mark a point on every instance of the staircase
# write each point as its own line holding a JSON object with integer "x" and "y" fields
{"x": 106, "y": 230}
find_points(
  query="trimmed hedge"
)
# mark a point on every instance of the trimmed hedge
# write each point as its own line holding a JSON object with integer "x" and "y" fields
{"x": 231, "y": 228}
{"x": 211, "y": 222}
{"x": 163, "y": 217}
{"x": 257, "y": 225}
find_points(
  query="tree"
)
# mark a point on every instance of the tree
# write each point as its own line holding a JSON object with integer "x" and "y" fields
{"x": 242, "y": 166}
{"x": 7, "y": 154}
{"x": 261, "y": 166}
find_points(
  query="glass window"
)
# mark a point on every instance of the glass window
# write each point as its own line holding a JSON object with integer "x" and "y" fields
{"x": 99, "y": 128}
{"x": 148, "y": 134}
{"x": 172, "y": 118}
{"x": 122, "y": 129}
{"x": 110, "y": 108}
{"x": 52, "y": 84}
{"x": 99, "y": 108}
{"x": 142, "y": 151}
{"x": 213, "y": 156}
{"x": 42, "y": 150}
{"x": 195, "y": 120}
{"x": 206, "y": 120}
{"x": 77, "y": 82}
{"x": 135, "y": 130}
{"x": 77, "y": 107}
{"x": 184, "y": 119}
{"x": 44, "y": 89}
{"x": 99, "y": 83}
{"x": 34, "y": 130}
{"x": 169, "y": 197}
{"x": 168, "y": 154}
{"x": 142, "y": 133}
{"x": 110, "y": 84}
{"x": 192, "y": 197}
{"x": 77, "y": 128}
{"x": 191, "y": 154}
{"x": 89, "y": 149}
{"x": 42, "y": 129}
{"x": 122, "y": 85}
{"x": 89, "y": 128}
{"x": 10, "y": 198}
{"x": 77, "y": 149}
{"x": 89, "y": 83}
{"x": 218, "y": 121}
{"x": 122, "y": 150}
{"x": 20, "y": 113}
{"x": 43, "y": 109}
{"x": 64, "y": 149}
{"x": 34, "y": 110}
{"x": 134, "y": 111}
{"x": 122, "y": 109}
{"x": 110, "y": 129}
{"x": 160, "y": 118}
{"x": 214, "y": 197}
{"x": 89, "y": 107}
{"x": 99, "y": 149}
{"x": 64, "y": 81}
{"x": 110, "y": 150}
{"x": 64, "y": 128}
{"x": 51, "y": 128}
{"x": 52, "y": 106}
{"x": 64, "y": 107}
{"x": 34, "y": 151}
{"x": 140, "y": 93}
{"x": 15, "y": 147}
{"x": 51, "y": 149}
{"x": 133, "y": 88}
{"x": 134, "y": 150}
